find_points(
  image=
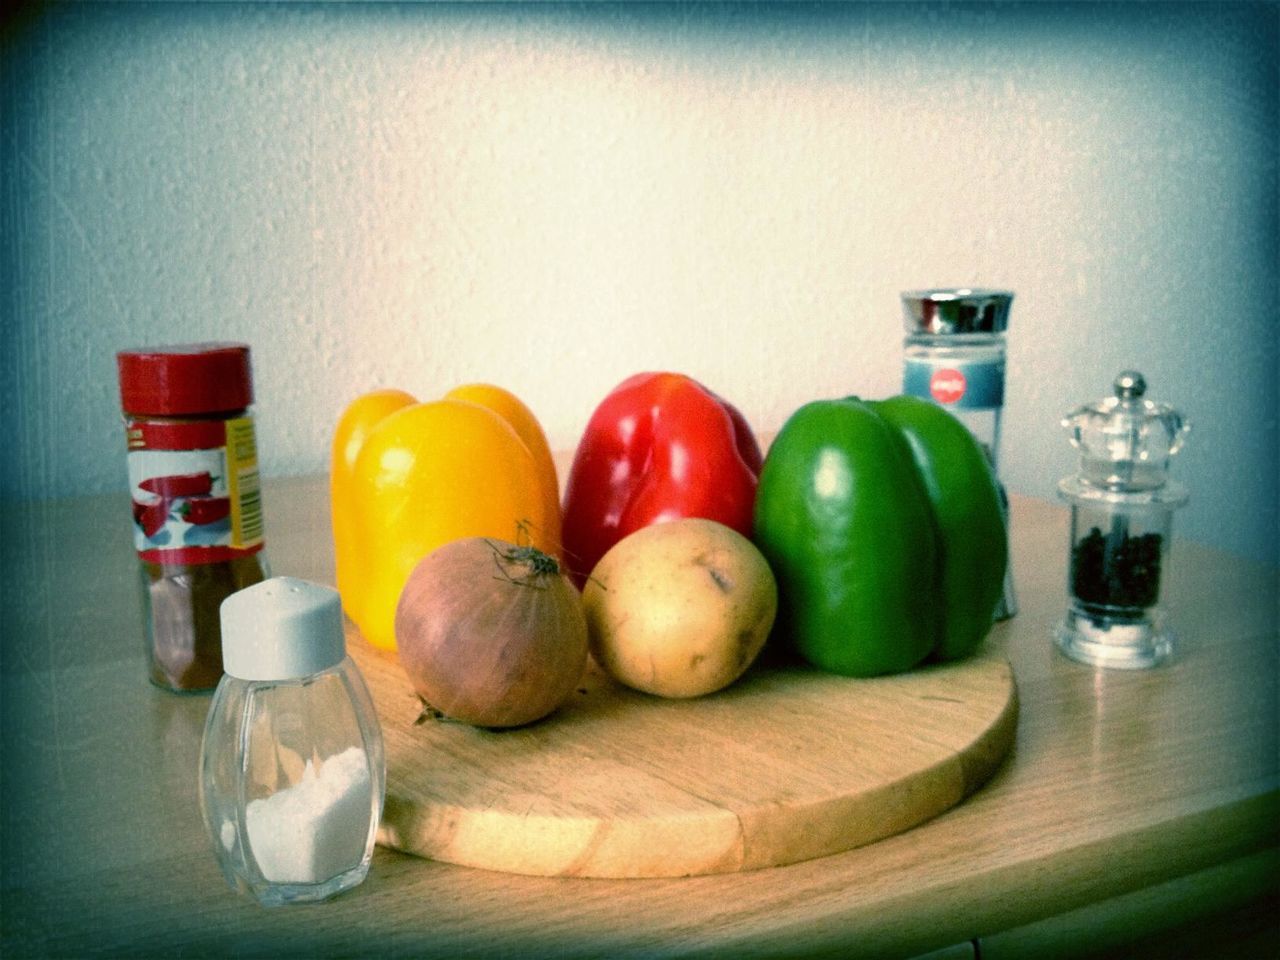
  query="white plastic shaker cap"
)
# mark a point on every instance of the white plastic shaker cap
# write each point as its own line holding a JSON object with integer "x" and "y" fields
{"x": 282, "y": 629}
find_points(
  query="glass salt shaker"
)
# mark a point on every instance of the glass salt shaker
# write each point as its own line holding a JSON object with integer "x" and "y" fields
{"x": 1122, "y": 507}
{"x": 954, "y": 355}
{"x": 292, "y": 772}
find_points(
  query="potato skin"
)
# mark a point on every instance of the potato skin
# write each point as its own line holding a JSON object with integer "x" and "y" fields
{"x": 681, "y": 608}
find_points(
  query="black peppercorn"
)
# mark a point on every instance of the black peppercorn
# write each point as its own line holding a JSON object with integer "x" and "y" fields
{"x": 1116, "y": 570}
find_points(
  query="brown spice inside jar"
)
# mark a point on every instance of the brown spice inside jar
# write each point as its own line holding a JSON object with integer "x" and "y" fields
{"x": 184, "y": 622}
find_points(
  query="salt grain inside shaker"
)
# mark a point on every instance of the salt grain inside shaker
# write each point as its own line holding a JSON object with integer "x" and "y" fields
{"x": 292, "y": 773}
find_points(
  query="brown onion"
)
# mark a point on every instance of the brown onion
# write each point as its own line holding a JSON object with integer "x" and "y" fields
{"x": 490, "y": 633}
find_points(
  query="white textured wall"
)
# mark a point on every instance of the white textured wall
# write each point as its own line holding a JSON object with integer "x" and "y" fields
{"x": 552, "y": 198}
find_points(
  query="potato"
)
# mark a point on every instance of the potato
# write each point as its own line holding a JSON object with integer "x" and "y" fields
{"x": 681, "y": 608}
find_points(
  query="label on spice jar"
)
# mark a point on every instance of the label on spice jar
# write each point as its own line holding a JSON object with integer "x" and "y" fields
{"x": 196, "y": 490}
{"x": 973, "y": 385}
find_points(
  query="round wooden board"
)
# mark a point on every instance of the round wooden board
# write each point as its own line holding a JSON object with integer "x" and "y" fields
{"x": 785, "y": 765}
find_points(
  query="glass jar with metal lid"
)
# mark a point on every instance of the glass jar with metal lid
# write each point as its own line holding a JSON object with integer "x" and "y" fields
{"x": 954, "y": 355}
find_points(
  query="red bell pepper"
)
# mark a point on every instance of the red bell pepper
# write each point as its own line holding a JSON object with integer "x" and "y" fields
{"x": 659, "y": 447}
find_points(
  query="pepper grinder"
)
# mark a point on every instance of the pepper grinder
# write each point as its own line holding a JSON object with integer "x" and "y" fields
{"x": 954, "y": 355}
{"x": 1122, "y": 507}
{"x": 292, "y": 770}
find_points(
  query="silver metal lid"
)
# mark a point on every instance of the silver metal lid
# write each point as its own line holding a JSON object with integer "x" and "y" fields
{"x": 956, "y": 310}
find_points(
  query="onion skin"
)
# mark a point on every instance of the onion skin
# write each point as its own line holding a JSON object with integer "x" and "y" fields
{"x": 491, "y": 634}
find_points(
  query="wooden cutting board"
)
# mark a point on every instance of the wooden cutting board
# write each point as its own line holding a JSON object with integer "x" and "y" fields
{"x": 785, "y": 765}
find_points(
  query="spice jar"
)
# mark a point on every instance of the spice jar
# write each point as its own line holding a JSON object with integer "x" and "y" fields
{"x": 1122, "y": 505}
{"x": 197, "y": 508}
{"x": 292, "y": 774}
{"x": 954, "y": 355}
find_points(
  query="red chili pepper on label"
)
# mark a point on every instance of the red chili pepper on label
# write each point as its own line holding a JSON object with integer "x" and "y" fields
{"x": 151, "y": 515}
{"x": 201, "y": 510}
{"x": 179, "y": 484}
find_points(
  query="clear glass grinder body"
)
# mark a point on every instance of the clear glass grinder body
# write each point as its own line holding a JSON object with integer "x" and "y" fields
{"x": 1122, "y": 508}
{"x": 292, "y": 770}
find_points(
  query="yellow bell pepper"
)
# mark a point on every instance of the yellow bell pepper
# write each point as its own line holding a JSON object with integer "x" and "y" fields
{"x": 407, "y": 477}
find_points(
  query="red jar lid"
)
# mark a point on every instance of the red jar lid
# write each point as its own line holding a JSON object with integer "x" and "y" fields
{"x": 186, "y": 379}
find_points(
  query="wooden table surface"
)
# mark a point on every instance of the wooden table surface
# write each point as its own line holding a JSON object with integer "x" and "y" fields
{"x": 1156, "y": 790}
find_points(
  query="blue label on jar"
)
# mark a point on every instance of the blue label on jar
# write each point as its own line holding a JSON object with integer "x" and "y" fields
{"x": 971, "y": 385}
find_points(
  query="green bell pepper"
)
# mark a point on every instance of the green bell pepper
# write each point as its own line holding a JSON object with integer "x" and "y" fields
{"x": 882, "y": 523}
